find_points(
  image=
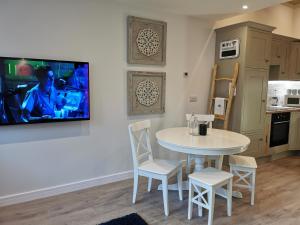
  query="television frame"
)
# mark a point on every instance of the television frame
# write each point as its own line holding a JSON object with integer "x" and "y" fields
{"x": 52, "y": 120}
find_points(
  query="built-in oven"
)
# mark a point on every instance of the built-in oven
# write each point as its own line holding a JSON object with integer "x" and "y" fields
{"x": 280, "y": 127}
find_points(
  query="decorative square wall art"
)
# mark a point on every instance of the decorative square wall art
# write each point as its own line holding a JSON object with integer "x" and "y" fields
{"x": 146, "y": 41}
{"x": 146, "y": 92}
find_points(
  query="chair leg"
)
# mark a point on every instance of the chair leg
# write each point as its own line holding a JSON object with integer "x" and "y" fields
{"x": 165, "y": 195}
{"x": 211, "y": 202}
{"x": 179, "y": 181}
{"x": 229, "y": 197}
{"x": 253, "y": 187}
{"x": 188, "y": 164}
{"x": 190, "y": 203}
{"x": 149, "y": 184}
{"x": 200, "y": 209}
{"x": 135, "y": 186}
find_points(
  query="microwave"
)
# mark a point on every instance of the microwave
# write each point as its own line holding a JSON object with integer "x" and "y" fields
{"x": 292, "y": 100}
{"x": 229, "y": 49}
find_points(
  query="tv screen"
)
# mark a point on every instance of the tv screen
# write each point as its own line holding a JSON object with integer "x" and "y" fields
{"x": 38, "y": 90}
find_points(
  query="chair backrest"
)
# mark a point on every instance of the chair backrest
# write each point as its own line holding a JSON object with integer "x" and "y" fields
{"x": 202, "y": 117}
{"x": 139, "y": 134}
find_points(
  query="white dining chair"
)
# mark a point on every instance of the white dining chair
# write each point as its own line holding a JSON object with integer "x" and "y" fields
{"x": 218, "y": 160}
{"x": 205, "y": 183}
{"x": 144, "y": 164}
{"x": 244, "y": 167}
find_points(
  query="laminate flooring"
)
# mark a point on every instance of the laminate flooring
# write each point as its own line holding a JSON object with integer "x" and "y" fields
{"x": 277, "y": 202}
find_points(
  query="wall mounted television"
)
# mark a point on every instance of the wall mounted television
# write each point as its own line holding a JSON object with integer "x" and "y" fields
{"x": 42, "y": 90}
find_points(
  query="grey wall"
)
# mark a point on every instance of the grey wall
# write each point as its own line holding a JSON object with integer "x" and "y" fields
{"x": 45, "y": 155}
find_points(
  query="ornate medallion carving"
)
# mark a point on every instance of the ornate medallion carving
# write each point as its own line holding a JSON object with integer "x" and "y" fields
{"x": 147, "y": 92}
{"x": 148, "y": 42}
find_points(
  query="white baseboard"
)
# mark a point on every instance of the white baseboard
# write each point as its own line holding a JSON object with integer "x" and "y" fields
{"x": 64, "y": 188}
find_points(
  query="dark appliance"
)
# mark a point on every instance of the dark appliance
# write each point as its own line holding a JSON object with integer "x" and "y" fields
{"x": 280, "y": 127}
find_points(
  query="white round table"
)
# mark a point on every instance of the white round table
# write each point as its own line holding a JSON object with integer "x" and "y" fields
{"x": 216, "y": 143}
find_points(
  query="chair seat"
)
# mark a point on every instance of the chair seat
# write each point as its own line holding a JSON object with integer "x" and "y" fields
{"x": 159, "y": 166}
{"x": 242, "y": 161}
{"x": 211, "y": 176}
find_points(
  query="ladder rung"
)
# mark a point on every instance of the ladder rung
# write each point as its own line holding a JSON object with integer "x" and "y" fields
{"x": 219, "y": 117}
{"x": 226, "y": 99}
{"x": 224, "y": 78}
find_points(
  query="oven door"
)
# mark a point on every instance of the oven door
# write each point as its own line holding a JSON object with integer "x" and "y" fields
{"x": 279, "y": 133}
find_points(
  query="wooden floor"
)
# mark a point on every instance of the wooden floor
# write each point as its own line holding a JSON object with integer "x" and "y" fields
{"x": 277, "y": 203}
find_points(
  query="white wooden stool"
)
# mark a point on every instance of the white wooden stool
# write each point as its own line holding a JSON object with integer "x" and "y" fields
{"x": 206, "y": 182}
{"x": 245, "y": 168}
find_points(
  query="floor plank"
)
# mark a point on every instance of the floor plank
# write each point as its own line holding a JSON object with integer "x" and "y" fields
{"x": 277, "y": 203}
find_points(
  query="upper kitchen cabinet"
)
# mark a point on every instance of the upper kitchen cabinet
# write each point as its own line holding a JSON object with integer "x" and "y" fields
{"x": 276, "y": 51}
{"x": 295, "y": 61}
{"x": 258, "y": 54}
{"x": 280, "y": 50}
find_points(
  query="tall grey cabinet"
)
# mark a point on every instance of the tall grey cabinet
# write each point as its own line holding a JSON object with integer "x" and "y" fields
{"x": 249, "y": 107}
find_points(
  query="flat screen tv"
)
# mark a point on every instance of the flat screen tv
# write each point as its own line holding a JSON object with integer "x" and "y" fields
{"x": 40, "y": 90}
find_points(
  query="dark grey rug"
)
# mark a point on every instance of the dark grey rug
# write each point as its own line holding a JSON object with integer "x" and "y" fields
{"x": 131, "y": 219}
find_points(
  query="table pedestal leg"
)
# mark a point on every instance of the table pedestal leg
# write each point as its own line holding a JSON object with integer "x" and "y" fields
{"x": 199, "y": 163}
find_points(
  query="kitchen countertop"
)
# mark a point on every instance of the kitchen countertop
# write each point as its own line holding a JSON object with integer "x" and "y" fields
{"x": 279, "y": 109}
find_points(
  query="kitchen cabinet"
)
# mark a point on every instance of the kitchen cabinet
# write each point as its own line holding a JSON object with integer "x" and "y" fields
{"x": 294, "y": 133}
{"x": 254, "y": 101}
{"x": 294, "y": 65}
{"x": 249, "y": 107}
{"x": 280, "y": 50}
{"x": 258, "y": 49}
{"x": 267, "y": 134}
{"x": 255, "y": 149}
{"x": 284, "y": 61}
{"x": 276, "y": 51}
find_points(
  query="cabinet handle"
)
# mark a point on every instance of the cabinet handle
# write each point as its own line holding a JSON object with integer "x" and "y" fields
{"x": 261, "y": 139}
{"x": 278, "y": 56}
{"x": 267, "y": 60}
{"x": 263, "y": 101}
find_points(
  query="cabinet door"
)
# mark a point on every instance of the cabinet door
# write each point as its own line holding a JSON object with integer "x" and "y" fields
{"x": 255, "y": 149}
{"x": 267, "y": 134}
{"x": 254, "y": 100}
{"x": 284, "y": 60}
{"x": 276, "y": 51}
{"x": 294, "y": 134}
{"x": 258, "y": 49}
{"x": 295, "y": 61}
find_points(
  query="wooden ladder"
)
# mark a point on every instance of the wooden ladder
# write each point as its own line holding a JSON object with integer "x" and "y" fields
{"x": 229, "y": 99}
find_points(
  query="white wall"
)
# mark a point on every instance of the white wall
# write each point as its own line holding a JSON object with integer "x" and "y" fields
{"x": 45, "y": 155}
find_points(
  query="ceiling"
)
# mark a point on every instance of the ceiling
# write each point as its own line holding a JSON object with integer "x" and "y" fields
{"x": 210, "y": 9}
{"x": 293, "y": 3}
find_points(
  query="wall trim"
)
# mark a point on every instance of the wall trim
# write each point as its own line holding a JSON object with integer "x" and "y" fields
{"x": 64, "y": 188}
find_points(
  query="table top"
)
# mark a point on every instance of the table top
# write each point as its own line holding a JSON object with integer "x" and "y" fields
{"x": 216, "y": 142}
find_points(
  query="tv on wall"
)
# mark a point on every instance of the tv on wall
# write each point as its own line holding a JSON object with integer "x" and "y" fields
{"x": 40, "y": 90}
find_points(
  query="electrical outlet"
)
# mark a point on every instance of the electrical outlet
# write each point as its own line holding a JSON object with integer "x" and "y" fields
{"x": 193, "y": 99}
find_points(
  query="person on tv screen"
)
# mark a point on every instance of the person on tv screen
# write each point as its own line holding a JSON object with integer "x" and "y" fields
{"x": 41, "y": 101}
